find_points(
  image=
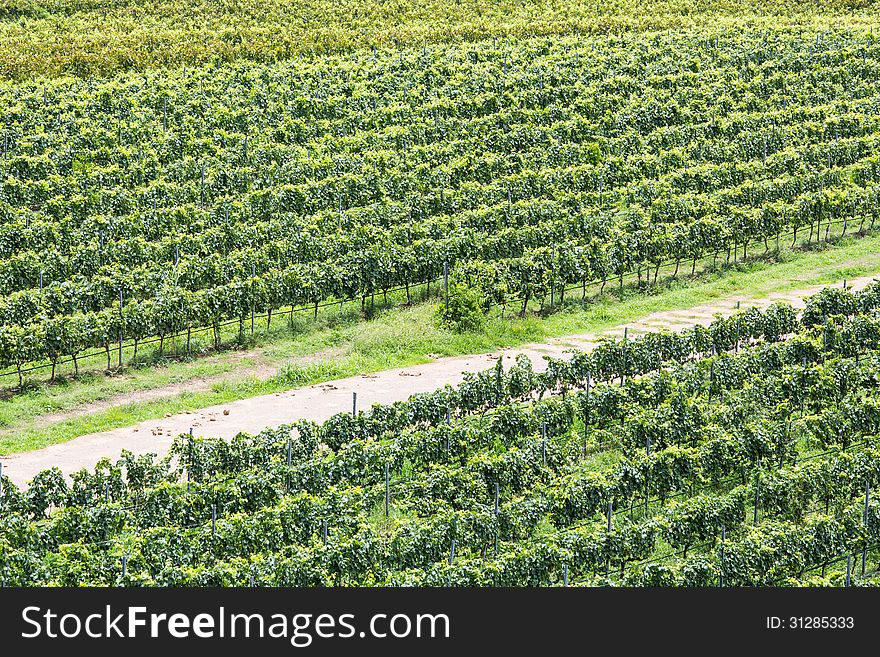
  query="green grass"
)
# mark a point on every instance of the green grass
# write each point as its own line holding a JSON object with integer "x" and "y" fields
{"x": 341, "y": 343}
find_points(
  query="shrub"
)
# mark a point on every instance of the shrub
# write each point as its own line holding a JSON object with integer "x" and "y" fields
{"x": 465, "y": 310}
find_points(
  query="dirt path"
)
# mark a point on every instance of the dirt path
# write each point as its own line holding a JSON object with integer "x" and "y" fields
{"x": 259, "y": 370}
{"x": 320, "y": 401}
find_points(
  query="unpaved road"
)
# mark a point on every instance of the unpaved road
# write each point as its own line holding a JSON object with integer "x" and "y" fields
{"x": 320, "y": 401}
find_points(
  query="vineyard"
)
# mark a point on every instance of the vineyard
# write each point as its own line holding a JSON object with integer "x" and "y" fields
{"x": 171, "y": 176}
{"x": 151, "y": 204}
{"x": 103, "y": 38}
{"x": 742, "y": 453}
